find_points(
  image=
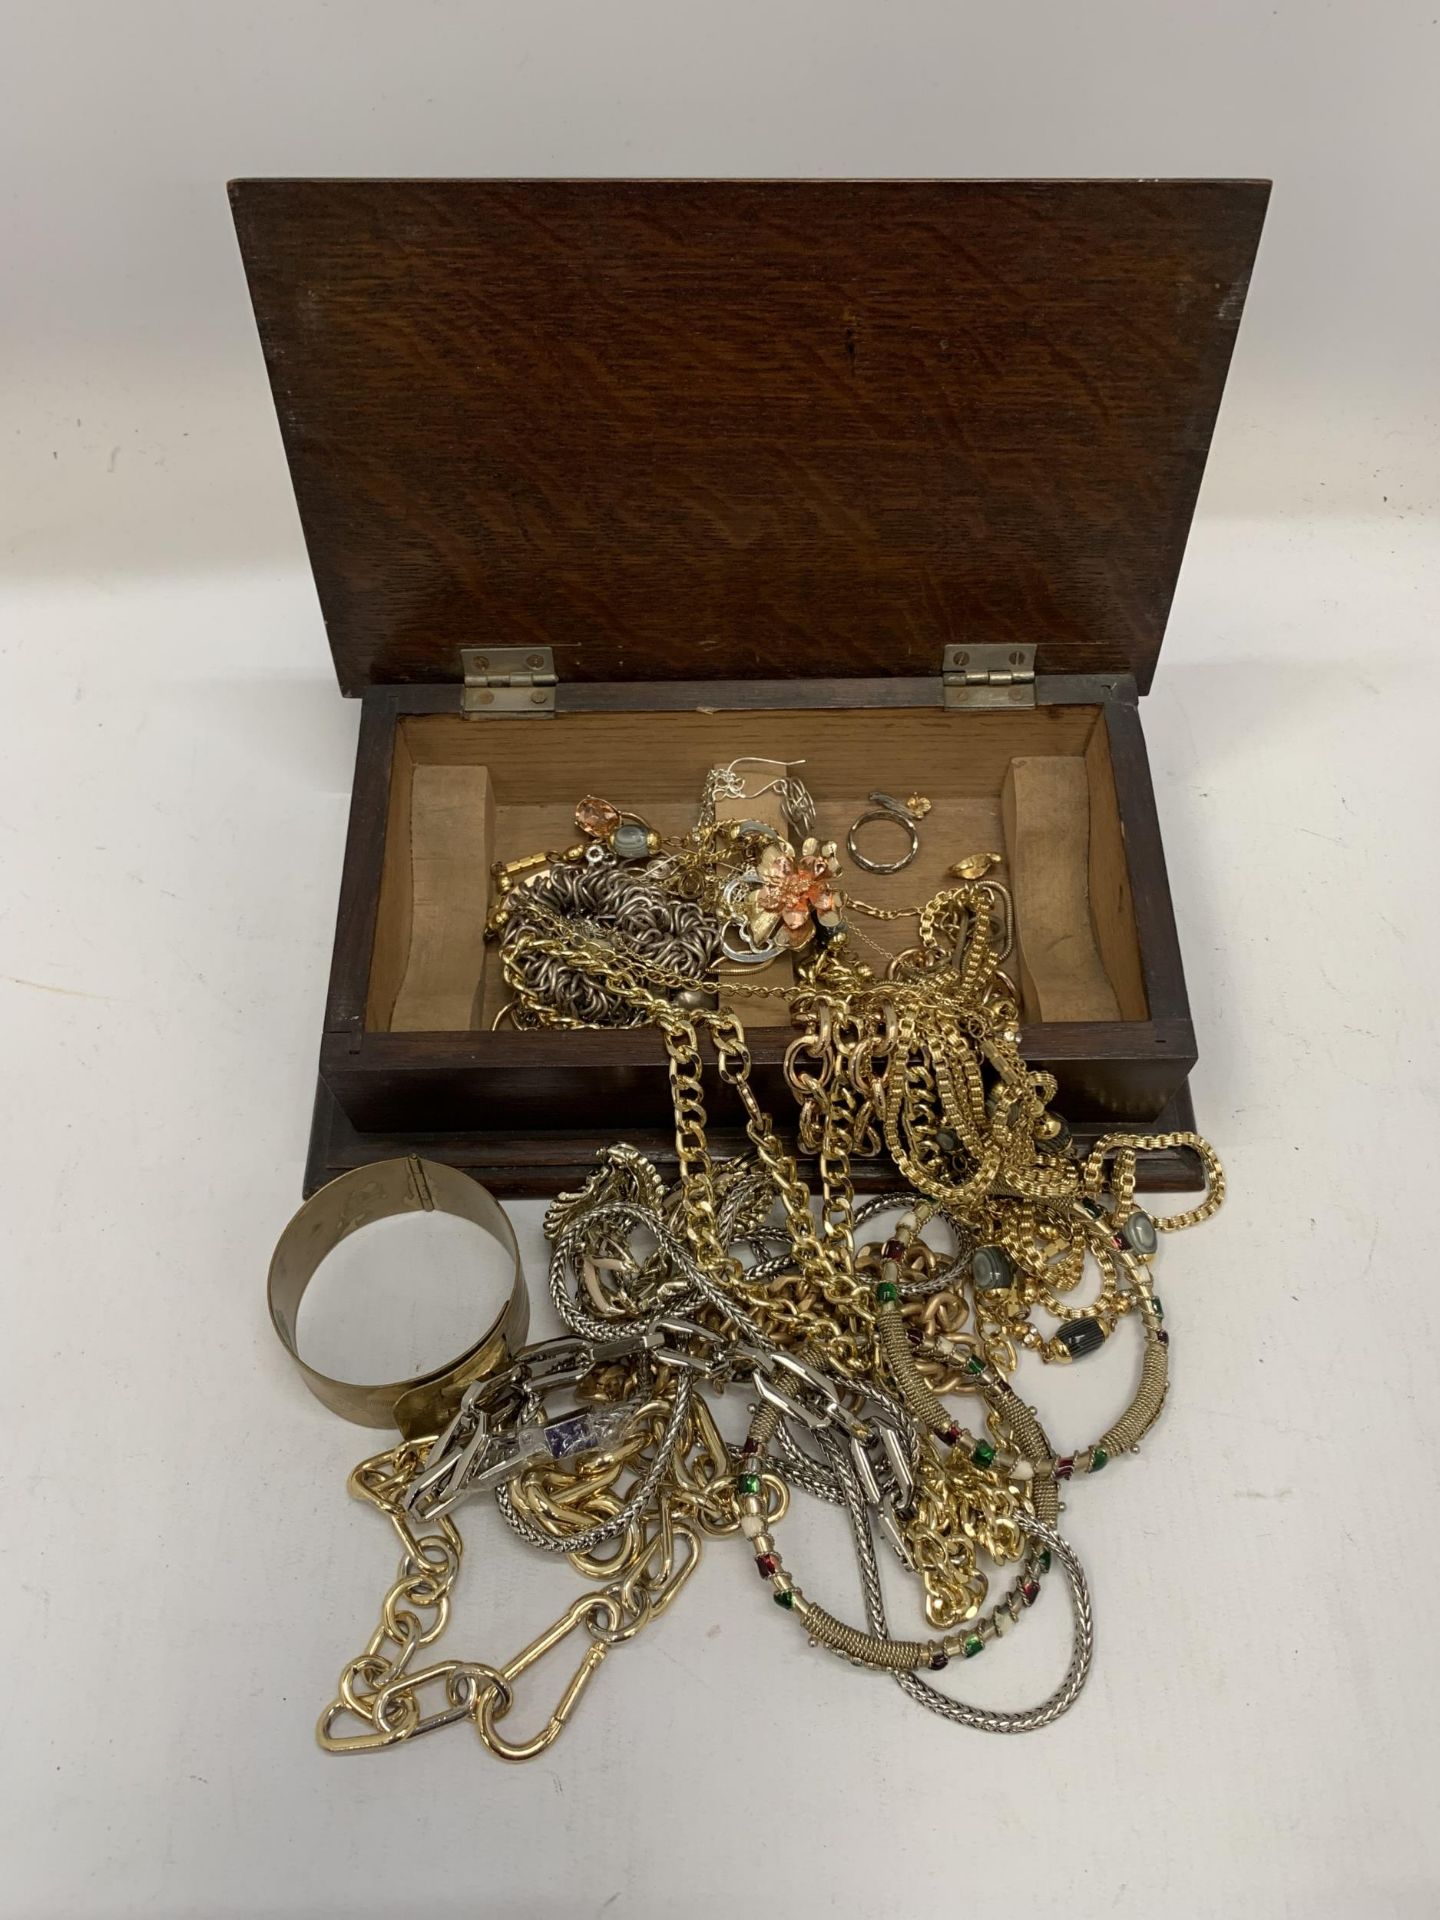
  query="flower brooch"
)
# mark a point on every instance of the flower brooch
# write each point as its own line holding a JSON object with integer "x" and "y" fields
{"x": 783, "y": 902}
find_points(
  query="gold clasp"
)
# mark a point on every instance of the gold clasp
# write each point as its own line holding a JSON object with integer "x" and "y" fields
{"x": 583, "y": 1611}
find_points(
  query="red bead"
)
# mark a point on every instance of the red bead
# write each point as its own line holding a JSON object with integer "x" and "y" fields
{"x": 1030, "y": 1592}
{"x": 951, "y": 1436}
{"x": 750, "y": 1446}
{"x": 1163, "y": 1337}
{"x": 1064, "y": 1467}
{"x": 893, "y": 1250}
{"x": 938, "y": 1662}
{"x": 768, "y": 1565}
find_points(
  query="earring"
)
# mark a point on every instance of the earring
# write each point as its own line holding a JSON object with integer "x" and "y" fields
{"x": 974, "y": 866}
{"x": 625, "y": 834}
{"x": 724, "y": 783}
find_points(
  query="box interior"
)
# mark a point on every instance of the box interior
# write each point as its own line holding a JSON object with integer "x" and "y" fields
{"x": 1034, "y": 786}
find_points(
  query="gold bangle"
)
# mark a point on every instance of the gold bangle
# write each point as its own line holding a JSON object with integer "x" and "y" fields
{"x": 423, "y": 1404}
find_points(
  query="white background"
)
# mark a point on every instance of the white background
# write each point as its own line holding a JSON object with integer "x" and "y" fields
{"x": 182, "y": 1573}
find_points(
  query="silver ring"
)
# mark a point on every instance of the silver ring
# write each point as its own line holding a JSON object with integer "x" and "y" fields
{"x": 897, "y": 817}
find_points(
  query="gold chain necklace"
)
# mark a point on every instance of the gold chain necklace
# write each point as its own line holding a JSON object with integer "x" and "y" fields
{"x": 854, "y": 1343}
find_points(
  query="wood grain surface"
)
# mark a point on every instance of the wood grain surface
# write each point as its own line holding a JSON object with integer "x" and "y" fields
{"x": 538, "y": 1163}
{"x": 699, "y": 429}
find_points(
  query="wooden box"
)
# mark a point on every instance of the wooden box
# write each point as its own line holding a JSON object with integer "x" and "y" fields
{"x": 606, "y": 482}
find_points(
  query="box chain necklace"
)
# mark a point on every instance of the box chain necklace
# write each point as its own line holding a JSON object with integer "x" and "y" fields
{"x": 849, "y": 1350}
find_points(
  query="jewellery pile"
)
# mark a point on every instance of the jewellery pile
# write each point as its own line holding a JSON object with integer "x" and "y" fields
{"x": 877, "y": 1364}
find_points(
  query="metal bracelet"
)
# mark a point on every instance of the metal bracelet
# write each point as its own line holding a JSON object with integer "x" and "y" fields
{"x": 988, "y": 1720}
{"x": 356, "y": 1199}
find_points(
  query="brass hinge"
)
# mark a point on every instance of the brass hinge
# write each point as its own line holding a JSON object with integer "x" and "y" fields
{"x": 989, "y": 676}
{"x": 507, "y": 681}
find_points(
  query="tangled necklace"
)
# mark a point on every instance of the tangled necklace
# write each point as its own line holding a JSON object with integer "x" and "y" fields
{"x": 861, "y": 1355}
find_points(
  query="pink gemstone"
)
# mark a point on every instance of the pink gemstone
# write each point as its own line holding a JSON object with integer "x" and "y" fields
{"x": 596, "y": 817}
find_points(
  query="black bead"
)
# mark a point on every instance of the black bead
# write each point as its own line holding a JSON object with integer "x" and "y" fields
{"x": 1081, "y": 1337}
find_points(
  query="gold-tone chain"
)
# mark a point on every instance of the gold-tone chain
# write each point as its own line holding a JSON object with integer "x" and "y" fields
{"x": 923, "y": 1057}
{"x": 1126, "y": 1147}
{"x": 393, "y": 1700}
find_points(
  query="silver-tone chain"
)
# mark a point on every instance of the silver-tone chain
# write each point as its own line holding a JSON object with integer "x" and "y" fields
{"x": 632, "y": 1509}
{"x": 622, "y": 908}
{"x": 868, "y": 1446}
{"x": 983, "y": 1719}
{"x": 688, "y": 1287}
{"x": 948, "y": 1272}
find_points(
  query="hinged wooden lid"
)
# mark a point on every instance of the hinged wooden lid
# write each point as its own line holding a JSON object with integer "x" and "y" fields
{"x": 727, "y": 429}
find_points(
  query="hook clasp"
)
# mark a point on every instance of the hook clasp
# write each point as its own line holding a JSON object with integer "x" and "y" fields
{"x": 601, "y": 1614}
